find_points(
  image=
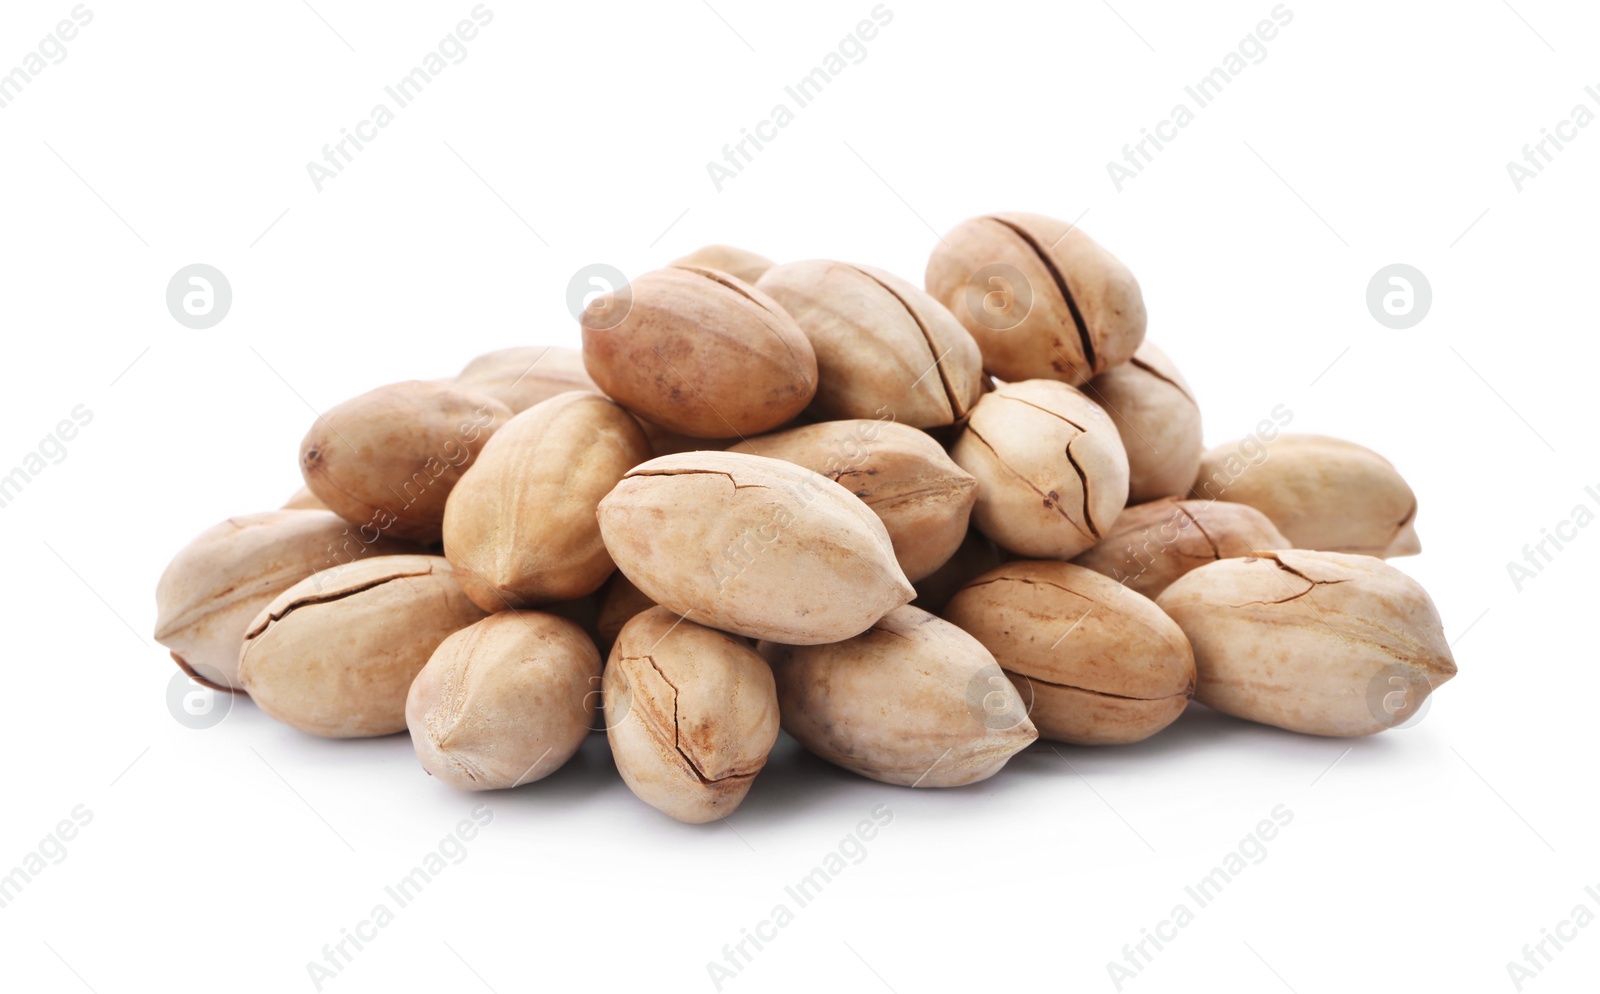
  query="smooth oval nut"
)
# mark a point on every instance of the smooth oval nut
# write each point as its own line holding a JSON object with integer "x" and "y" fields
{"x": 884, "y": 347}
{"x": 700, "y": 353}
{"x": 754, "y": 546}
{"x": 691, "y": 714}
{"x": 737, "y": 262}
{"x": 1314, "y": 642}
{"x": 1159, "y": 421}
{"x": 923, "y": 498}
{"x": 386, "y": 460}
{"x": 1153, "y": 544}
{"x": 505, "y": 701}
{"x": 1322, "y": 493}
{"x": 1095, "y": 663}
{"x": 217, "y": 584}
{"x": 913, "y": 701}
{"x": 522, "y": 377}
{"x": 1042, "y": 299}
{"x": 520, "y": 524}
{"x": 1052, "y": 473}
{"x": 335, "y": 655}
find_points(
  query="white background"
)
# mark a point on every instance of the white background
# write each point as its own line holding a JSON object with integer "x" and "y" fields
{"x": 1372, "y": 133}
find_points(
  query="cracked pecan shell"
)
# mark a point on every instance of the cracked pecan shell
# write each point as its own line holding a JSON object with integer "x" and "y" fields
{"x": 1322, "y": 493}
{"x": 1052, "y": 473}
{"x": 335, "y": 654}
{"x": 1095, "y": 663}
{"x": 691, "y": 714}
{"x": 1316, "y": 642}
{"x": 913, "y": 701}
{"x": 755, "y": 546}
{"x": 885, "y": 349}
{"x": 699, "y": 353}
{"x": 923, "y": 498}
{"x": 1042, "y": 299}
{"x": 1158, "y": 419}
{"x": 219, "y": 582}
{"x": 1153, "y": 544}
{"x": 737, "y": 262}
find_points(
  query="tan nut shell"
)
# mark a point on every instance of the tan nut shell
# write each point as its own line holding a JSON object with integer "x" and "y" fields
{"x": 522, "y": 377}
{"x": 923, "y": 499}
{"x": 1052, "y": 473}
{"x": 1322, "y": 493}
{"x": 665, "y": 443}
{"x": 975, "y": 556}
{"x": 691, "y": 714}
{"x": 1315, "y": 642}
{"x": 753, "y": 546}
{"x": 885, "y": 349}
{"x": 304, "y": 500}
{"x": 700, "y": 353}
{"x": 219, "y": 582}
{"x": 736, "y": 262}
{"x": 1077, "y": 312}
{"x": 1095, "y": 663}
{"x": 1154, "y": 544}
{"x": 335, "y": 654}
{"x": 386, "y": 460}
{"x": 620, "y": 601}
{"x": 1159, "y": 421}
{"x": 520, "y": 525}
{"x": 505, "y": 701}
{"x": 913, "y": 701}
